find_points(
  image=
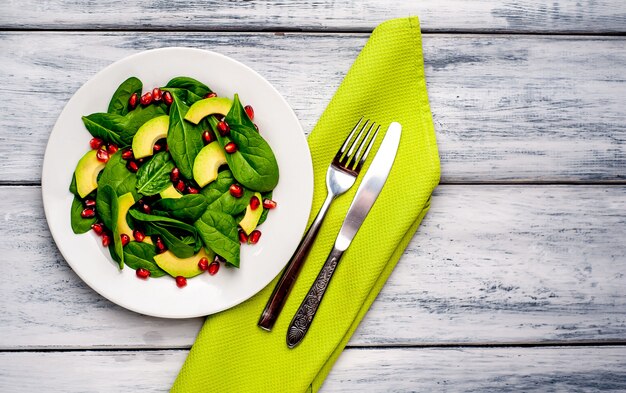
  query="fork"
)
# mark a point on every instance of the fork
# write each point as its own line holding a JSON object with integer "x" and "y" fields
{"x": 340, "y": 177}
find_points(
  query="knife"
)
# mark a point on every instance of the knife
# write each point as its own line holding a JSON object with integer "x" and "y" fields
{"x": 366, "y": 195}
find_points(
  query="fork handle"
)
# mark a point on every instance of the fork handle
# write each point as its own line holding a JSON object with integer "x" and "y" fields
{"x": 301, "y": 322}
{"x": 283, "y": 287}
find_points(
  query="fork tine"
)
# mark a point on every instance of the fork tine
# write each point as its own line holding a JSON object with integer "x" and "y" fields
{"x": 347, "y": 141}
{"x": 353, "y": 145}
{"x": 363, "y": 143}
{"x": 367, "y": 151}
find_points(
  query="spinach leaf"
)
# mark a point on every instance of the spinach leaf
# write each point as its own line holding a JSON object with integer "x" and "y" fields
{"x": 154, "y": 176}
{"x": 80, "y": 224}
{"x": 141, "y": 255}
{"x": 73, "y": 188}
{"x": 119, "y": 102}
{"x": 196, "y": 87}
{"x": 108, "y": 127}
{"x": 180, "y": 238}
{"x": 120, "y": 179}
{"x": 137, "y": 117}
{"x": 219, "y": 233}
{"x": 188, "y": 208}
{"x": 188, "y": 97}
{"x": 218, "y": 195}
{"x": 183, "y": 138}
{"x": 263, "y": 217}
{"x": 237, "y": 114}
{"x": 108, "y": 206}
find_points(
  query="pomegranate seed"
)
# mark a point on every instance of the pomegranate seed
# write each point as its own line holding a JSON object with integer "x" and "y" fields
{"x": 106, "y": 240}
{"x": 146, "y": 208}
{"x": 207, "y": 136}
{"x": 269, "y": 204}
{"x": 254, "y": 203}
{"x": 138, "y": 235}
{"x": 98, "y": 228}
{"x": 157, "y": 94}
{"x": 254, "y": 237}
{"x": 160, "y": 245}
{"x": 125, "y": 239}
{"x": 230, "y": 147}
{"x": 180, "y": 186}
{"x": 112, "y": 149}
{"x": 146, "y": 99}
{"x": 192, "y": 190}
{"x": 157, "y": 148}
{"x": 89, "y": 212}
{"x": 249, "y": 111}
{"x": 140, "y": 161}
{"x": 213, "y": 268}
{"x": 181, "y": 281}
{"x": 132, "y": 101}
{"x": 127, "y": 154}
{"x": 175, "y": 175}
{"x": 102, "y": 155}
{"x": 236, "y": 190}
{"x": 89, "y": 203}
{"x": 203, "y": 264}
{"x": 223, "y": 128}
{"x": 132, "y": 166}
{"x": 167, "y": 98}
{"x": 95, "y": 143}
{"x": 243, "y": 238}
{"x": 210, "y": 95}
{"x": 219, "y": 259}
{"x": 167, "y": 147}
{"x": 142, "y": 273}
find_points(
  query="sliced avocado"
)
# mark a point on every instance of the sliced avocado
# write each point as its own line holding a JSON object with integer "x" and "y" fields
{"x": 208, "y": 106}
{"x": 124, "y": 202}
{"x": 250, "y": 220}
{"x": 148, "y": 134}
{"x": 87, "y": 172}
{"x": 207, "y": 162}
{"x": 170, "y": 192}
{"x": 186, "y": 267}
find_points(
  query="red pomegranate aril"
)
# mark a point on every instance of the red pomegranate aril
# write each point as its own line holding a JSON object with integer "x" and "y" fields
{"x": 269, "y": 204}
{"x": 98, "y": 228}
{"x": 230, "y": 147}
{"x": 160, "y": 245}
{"x": 254, "y": 203}
{"x": 132, "y": 101}
{"x": 254, "y": 237}
{"x": 203, "y": 264}
{"x": 102, "y": 155}
{"x": 181, "y": 281}
{"x": 243, "y": 238}
{"x": 249, "y": 111}
{"x": 95, "y": 143}
{"x": 223, "y": 128}
{"x": 180, "y": 186}
{"x": 125, "y": 239}
{"x": 219, "y": 259}
{"x": 142, "y": 273}
{"x": 127, "y": 154}
{"x": 213, "y": 268}
{"x": 88, "y": 212}
{"x": 167, "y": 98}
{"x": 112, "y": 148}
{"x": 236, "y": 190}
{"x": 175, "y": 175}
{"x": 132, "y": 166}
{"x": 146, "y": 99}
{"x": 138, "y": 235}
{"x": 106, "y": 240}
{"x": 89, "y": 203}
{"x": 210, "y": 95}
{"x": 157, "y": 94}
{"x": 192, "y": 190}
{"x": 141, "y": 160}
{"x": 146, "y": 208}
{"x": 207, "y": 137}
{"x": 157, "y": 148}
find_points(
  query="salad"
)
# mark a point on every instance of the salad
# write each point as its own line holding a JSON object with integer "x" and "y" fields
{"x": 177, "y": 179}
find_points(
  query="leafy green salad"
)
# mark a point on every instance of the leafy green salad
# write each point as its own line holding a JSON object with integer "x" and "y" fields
{"x": 176, "y": 179}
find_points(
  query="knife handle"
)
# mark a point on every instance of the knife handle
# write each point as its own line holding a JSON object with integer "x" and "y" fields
{"x": 301, "y": 322}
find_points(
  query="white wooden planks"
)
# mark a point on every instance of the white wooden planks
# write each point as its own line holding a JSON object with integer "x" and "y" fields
{"x": 490, "y": 264}
{"x": 567, "y": 369}
{"x": 590, "y": 16}
{"x": 506, "y": 108}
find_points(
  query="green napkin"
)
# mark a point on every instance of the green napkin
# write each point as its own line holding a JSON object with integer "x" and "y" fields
{"x": 386, "y": 83}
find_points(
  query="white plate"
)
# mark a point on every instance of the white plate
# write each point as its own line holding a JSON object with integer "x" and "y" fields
{"x": 260, "y": 263}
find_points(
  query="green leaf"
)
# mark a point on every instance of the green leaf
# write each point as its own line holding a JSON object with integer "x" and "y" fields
{"x": 219, "y": 233}
{"x": 180, "y": 238}
{"x": 120, "y": 179}
{"x": 263, "y": 217}
{"x": 119, "y": 102}
{"x": 183, "y": 138}
{"x": 137, "y": 117}
{"x": 217, "y": 194}
{"x": 196, "y": 87}
{"x": 73, "y": 188}
{"x": 154, "y": 176}
{"x": 141, "y": 255}
{"x": 188, "y": 208}
{"x": 108, "y": 127}
{"x": 186, "y": 96}
{"x": 237, "y": 114}
{"x": 80, "y": 224}
{"x": 108, "y": 206}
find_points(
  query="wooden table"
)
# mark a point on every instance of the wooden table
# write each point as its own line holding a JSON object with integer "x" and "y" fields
{"x": 515, "y": 280}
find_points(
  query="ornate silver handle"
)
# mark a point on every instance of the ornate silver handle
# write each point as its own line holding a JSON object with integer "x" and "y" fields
{"x": 301, "y": 322}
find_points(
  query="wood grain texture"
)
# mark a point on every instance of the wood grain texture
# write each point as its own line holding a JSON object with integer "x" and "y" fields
{"x": 563, "y": 369}
{"x": 490, "y": 264}
{"x": 590, "y": 16}
{"x": 506, "y": 108}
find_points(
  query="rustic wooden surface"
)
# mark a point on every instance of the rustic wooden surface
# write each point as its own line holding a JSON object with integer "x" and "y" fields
{"x": 515, "y": 280}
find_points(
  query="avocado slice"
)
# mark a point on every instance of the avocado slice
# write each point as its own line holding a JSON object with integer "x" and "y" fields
{"x": 87, "y": 172}
{"x": 207, "y": 162}
{"x": 250, "y": 220}
{"x": 186, "y": 267}
{"x": 125, "y": 202}
{"x": 148, "y": 134}
{"x": 170, "y": 192}
{"x": 208, "y": 106}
